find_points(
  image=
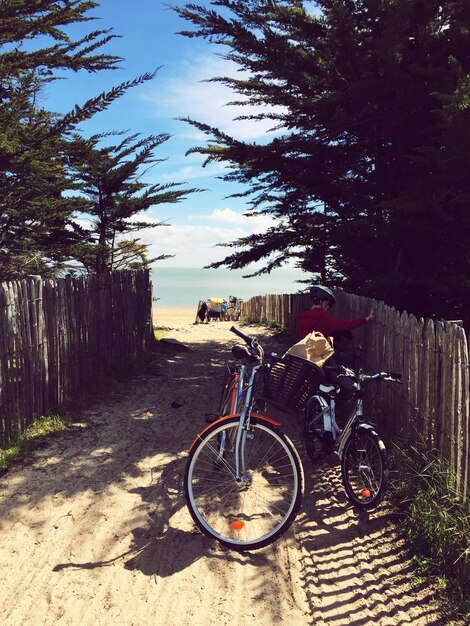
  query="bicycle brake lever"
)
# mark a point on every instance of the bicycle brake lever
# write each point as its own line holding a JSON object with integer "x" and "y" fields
{"x": 394, "y": 379}
{"x": 347, "y": 373}
{"x": 391, "y": 376}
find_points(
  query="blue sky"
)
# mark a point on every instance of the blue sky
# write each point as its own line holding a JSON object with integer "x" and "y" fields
{"x": 148, "y": 40}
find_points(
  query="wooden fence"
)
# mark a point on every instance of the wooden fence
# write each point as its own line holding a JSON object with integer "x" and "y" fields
{"x": 431, "y": 409}
{"x": 58, "y": 335}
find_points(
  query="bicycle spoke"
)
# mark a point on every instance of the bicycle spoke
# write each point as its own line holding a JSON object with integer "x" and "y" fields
{"x": 364, "y": 469}
{"x": 261, "y": 503}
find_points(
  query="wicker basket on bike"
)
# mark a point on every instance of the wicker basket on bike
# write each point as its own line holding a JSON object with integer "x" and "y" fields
{"x": 291, "y": 381}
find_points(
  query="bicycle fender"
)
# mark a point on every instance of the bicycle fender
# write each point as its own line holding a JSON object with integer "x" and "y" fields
{"x": 256, "y": 417}
{"x": 366, "y": 426}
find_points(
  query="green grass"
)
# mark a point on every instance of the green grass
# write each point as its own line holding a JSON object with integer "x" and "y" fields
{"x": 41, "y": 427}
{"x": 158, "y": 334}
{"x": 44, "y": 426}
{"x": 265, "y": 322}
{"x": 7, "y": 455}
{"x": 436, "y": 521}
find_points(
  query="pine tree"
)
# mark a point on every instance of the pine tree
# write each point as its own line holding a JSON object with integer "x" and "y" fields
{"x": 368, "y": 172}
{"x": 113, "y": 197}
{"x": 36, "y": 229}
{"x": 33, "y": 211}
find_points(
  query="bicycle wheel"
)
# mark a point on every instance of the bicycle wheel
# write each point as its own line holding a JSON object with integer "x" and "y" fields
{"x": 256, "y": 510}
{"x": 364, "y": 468}
{"x": 228, "y": 401}
{"x": 313, "y": 445}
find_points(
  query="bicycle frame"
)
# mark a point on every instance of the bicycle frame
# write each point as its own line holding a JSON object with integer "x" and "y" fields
{"x": 352, "y": 423}
{"x": 240, "y": 388}
{"x": 244, "y": 424}
{"x": 329, "y": 419}
{"x": 355, "y": 419}
{"x": 245, "y": 391}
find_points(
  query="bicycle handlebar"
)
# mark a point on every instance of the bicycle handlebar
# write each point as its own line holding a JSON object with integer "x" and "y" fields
{"x": 345, "y": 372}
{"x": 390, "y": 376}
{"x": 246, "y": 339}
{"x": 254, "y": 350}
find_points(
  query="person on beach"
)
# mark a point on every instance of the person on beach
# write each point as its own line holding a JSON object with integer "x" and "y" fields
{"x": 223, "y": 310}
{"x": 202, "y": 312}
{"x": 215, "y": 307}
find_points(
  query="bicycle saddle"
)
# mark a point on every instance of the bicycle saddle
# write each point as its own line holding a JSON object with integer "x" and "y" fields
{"x": 329, "y": 388}
{"x": 243, "y": 352}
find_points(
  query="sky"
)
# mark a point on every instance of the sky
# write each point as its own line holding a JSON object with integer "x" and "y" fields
{"x": 149, "y": 40}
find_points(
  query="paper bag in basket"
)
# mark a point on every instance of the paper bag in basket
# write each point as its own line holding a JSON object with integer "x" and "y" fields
{"x": 314, "y": 347}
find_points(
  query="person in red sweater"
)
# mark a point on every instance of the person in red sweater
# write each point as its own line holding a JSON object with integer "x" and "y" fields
{"x": 318, "y": 319}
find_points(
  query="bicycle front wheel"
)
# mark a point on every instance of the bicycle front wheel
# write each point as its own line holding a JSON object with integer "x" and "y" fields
{"x": 364, "y": 468}
{"x": 255, "y": 510}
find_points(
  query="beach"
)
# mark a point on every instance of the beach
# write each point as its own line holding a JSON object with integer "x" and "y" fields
{"x": 173, "y": 316}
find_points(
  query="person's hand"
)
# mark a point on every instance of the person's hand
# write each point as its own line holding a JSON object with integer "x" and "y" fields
{"x": 371, "y": 315}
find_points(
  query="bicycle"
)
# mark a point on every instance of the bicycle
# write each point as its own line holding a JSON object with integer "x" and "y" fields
{"x": 244, "y": 479}
{"x": 362, "y": 453}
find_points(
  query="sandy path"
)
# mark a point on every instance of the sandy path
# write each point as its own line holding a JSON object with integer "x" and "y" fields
{"x": 94, "y": 530}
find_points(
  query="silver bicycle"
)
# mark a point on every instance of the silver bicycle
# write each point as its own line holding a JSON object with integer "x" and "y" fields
{"x": 243, "y": 480}
{"x": 363, "y": 456}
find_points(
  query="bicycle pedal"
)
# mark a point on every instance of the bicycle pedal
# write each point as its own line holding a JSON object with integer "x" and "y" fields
{"x": 210, "y": 417}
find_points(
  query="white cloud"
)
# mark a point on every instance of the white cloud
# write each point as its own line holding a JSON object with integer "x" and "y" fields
{"x": 191, "y": 172}
{"x": 185, "y": 95}
{"x": 229, "y": 216}
{"x": 196, "y": 244}
{"x": 145, "y": 218}
{"x": 193, "y": 246}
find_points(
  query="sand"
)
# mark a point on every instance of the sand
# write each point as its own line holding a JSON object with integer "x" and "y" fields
{"x": 170, "y": 316}
{"x": 94, "y": 529}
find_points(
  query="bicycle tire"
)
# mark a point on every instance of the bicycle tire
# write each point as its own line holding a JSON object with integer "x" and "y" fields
{"x": 226, "y": 400}
{"x": 314, "y": 445}
{"x": 314, "y": 432}
{"x": 364, "y": 468}
{"x": 245, "y": 516}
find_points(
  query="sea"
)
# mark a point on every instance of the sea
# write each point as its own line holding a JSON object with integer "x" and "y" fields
{"x": 181, "y": 286}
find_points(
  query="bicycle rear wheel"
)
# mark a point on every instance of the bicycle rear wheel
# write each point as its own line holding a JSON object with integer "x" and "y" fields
{"x": 229, "y": 402}
{"x": 255, "y": 511}
{"x": 364, "y": 468}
